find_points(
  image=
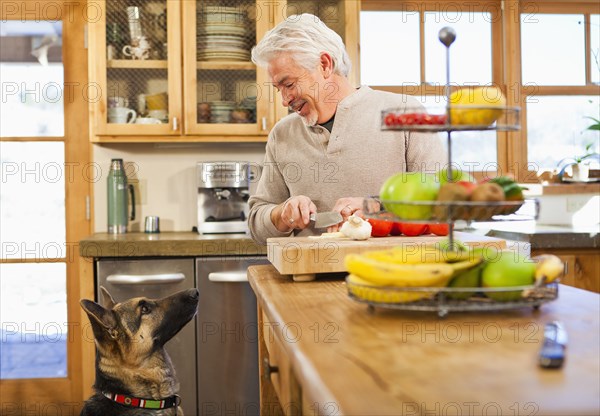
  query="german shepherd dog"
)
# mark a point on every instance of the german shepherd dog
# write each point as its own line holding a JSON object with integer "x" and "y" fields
{"x": 134, "y": 374}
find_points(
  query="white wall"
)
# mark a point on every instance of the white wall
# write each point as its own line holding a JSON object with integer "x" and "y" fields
{"x": 164, "y": 176}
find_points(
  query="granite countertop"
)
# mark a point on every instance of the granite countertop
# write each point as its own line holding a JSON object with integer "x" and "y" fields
{"x": 542, "y": 236}
{"x": 168, "y": 244}
{"x": 177, "y": 244}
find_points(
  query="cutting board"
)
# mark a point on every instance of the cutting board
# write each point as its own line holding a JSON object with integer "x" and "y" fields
{"x": 305, "y": 257}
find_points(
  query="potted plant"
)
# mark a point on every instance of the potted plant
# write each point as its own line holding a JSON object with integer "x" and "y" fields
{"x": 579, "y": 164}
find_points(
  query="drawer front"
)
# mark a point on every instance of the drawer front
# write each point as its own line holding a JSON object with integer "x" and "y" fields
{"x": 583, "y": 271}
{"x": 582, "y": 268}
{"x": 281, "y": 373}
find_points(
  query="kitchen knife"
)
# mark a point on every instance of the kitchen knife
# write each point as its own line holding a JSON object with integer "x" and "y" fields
{"x": 326, "y": 219}
{"x": 552, "y": 354}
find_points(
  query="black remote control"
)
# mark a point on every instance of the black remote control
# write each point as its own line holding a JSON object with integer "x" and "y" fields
{"x": 552, "y": 354}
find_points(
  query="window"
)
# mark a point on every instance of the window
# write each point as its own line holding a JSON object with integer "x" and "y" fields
{"x": 31, "y": 71}
{"x": 545, "y": 55}
{"x": 471, "y": 52}
{"x": 556, "y": 128}
{"x": 545, "y": 47}
{"x": 33, "y": 312}
{"x": 390, "y": 53}
{"x": 559, "y": 100}
{"x": 401, "y": 52}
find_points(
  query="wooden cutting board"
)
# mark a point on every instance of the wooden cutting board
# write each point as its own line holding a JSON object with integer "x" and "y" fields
{"x": 305, "y": 257}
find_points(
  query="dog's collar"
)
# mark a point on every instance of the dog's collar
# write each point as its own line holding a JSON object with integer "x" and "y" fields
{"x": 167, "y": 403}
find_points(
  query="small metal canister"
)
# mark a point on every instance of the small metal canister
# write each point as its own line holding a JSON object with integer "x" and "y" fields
{"x": 152, "y": 224}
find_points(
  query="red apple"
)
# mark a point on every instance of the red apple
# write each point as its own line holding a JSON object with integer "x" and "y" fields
{"x": 469, "y": 186}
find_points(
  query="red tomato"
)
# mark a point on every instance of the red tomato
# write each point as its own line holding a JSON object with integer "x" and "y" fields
{"x": 438, "y": 119}
{"x": 439, "y": 229}
{"x": 401, "y": 119}
{"x": 390, "y": 119}
{"x": 409, "y": 118}
{"x": 380, "y": 228}
{"x": 396, "y": 228}
{"x": 419, "y": 118}
{"x": 413, "y": 230}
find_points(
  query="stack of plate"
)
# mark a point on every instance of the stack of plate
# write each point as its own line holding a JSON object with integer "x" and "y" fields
{"x": 223, "y": 34}
{"x": 249, "y": 103}
{"x": 220, "y": 111}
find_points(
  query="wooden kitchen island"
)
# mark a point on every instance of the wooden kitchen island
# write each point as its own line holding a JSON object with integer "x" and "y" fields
{"x": 321, "y": 352}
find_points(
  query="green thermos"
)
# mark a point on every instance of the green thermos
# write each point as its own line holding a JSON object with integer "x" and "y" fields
{"x": 118, "y": 200}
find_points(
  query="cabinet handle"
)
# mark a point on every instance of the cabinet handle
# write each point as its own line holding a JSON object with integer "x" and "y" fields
{"x": 228, "y": 277}
{"x": 149, "y": 279}
{"x": 578, "y": 269}
{"x": 268, "y": 369}
{"x": 175, "y": 127}
{"x": 264, "y": 123}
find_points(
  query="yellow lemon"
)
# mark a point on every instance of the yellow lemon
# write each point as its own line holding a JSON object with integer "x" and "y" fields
{"x": 487, "y": 103}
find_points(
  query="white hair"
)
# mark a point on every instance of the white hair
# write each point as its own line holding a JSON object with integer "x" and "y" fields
{"x": 305, "y": 37}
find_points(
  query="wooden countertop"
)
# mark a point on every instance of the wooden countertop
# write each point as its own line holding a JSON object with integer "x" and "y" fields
{"x": 168, "y": 244}
{"x": 354, "y": 362}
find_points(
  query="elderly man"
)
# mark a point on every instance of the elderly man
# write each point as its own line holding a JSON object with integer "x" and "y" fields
{"x": 330, "y": 152}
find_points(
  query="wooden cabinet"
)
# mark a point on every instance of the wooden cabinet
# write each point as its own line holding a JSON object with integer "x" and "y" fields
{"x": 182, "y": 68}
{"x": 582, "y": 268}
{"x": 278, "y": 381}
{"x": 130, "y": 81}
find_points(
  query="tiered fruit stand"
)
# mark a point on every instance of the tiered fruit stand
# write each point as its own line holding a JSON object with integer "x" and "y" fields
{"x": 446, "y": 299}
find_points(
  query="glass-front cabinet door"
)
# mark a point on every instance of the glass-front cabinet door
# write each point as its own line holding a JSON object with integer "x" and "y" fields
{"x": 183, "y": 68}
{"x": 224, "y": 92}
{"x": 136, "y": 70}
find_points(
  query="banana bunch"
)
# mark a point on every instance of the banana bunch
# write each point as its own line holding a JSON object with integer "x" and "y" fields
{"x": 418, "y": 254}
{"x": 393, "y": 269}
{"x": 364, "y": 289}
{"x": 548, "y": 268}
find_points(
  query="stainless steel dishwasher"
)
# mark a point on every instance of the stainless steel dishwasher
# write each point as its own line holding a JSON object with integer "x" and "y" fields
{"x": 156, "y": 278}
{"x": 228, "y": 380}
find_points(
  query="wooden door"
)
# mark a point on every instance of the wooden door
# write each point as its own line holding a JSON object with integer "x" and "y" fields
{"x": 50, "y": 252}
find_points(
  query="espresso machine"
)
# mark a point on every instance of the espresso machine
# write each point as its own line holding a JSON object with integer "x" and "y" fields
{"x": 223, "y": 192}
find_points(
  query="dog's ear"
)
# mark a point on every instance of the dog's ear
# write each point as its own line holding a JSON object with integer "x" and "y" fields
{"x": 98, "y": 315}
{"x": 107, "y": 299}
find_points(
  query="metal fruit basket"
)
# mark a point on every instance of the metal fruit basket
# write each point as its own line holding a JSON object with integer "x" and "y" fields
{"x": 452, "y": 299}
{"x": 445, "y": 211}
{"x": 438, "y": 119}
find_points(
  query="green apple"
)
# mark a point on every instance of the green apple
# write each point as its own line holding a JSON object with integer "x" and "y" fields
{"x": 508, "y": 270}
{"x": 457, "y": 252}
{"x": 410, "y": 187}
{"x": 469, "y": 278}
{"x": 457, "y": 175}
